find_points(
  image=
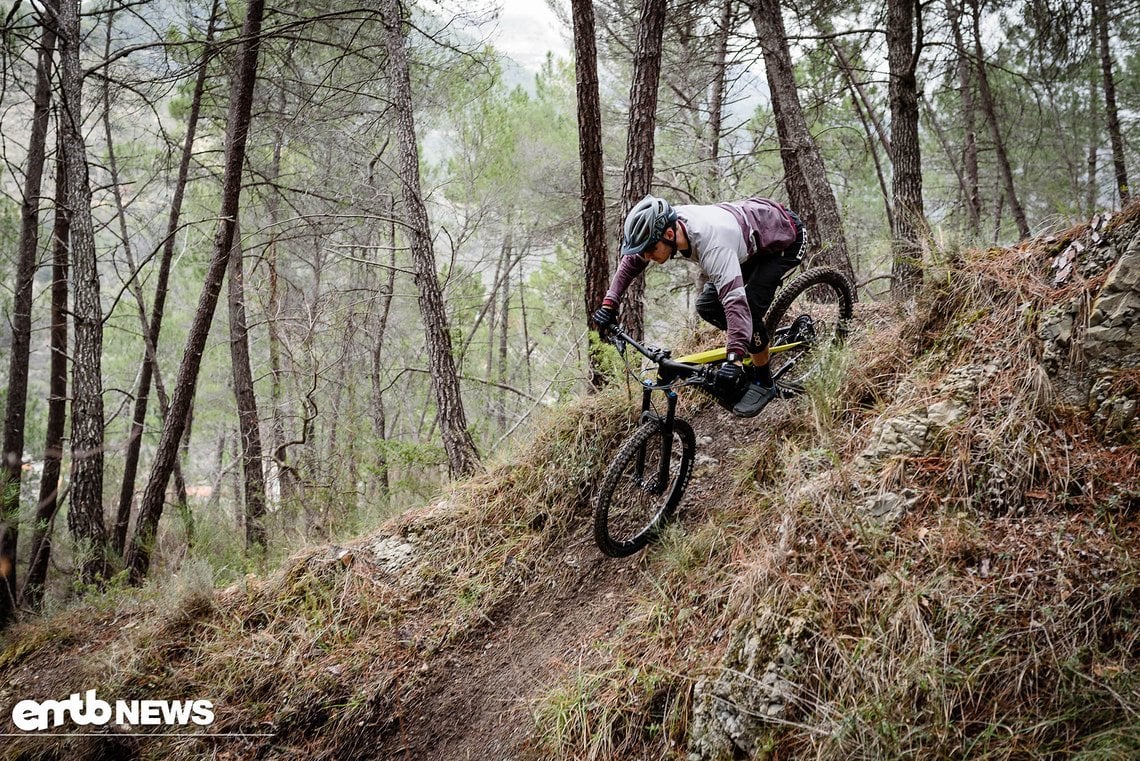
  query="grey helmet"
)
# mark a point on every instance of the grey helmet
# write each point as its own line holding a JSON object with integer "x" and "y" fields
{"x": 646, "y": 224}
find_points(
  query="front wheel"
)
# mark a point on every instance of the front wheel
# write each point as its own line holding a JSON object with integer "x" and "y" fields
{"x": 638, "y": 496}
{"x": 810, "y": 316}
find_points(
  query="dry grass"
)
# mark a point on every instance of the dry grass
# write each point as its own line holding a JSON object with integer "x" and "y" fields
{"x": 320, "y": 654}
{"x": 996, "y": 620}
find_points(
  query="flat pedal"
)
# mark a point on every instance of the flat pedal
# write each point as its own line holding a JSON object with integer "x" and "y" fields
{"x": 788, "y": 390}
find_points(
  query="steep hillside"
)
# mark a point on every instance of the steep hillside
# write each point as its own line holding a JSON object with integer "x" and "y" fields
{"x": 932, "y": 554}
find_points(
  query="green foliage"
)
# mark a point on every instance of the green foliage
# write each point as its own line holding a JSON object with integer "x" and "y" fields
{"x": 607, "y": 359}
{"x": 501, "y": 181}
{"x": 412, "y": 455}
{"x": 823, "y": 385}
{"x": 9, "y": 244}
{"x": 511, "y": 147}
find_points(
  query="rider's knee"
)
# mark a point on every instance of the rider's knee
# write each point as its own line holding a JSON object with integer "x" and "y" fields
{"x": 709, "y": 307}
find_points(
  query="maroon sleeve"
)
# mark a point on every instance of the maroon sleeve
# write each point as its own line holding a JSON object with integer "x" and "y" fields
{"x": 629, "y": 268}
{"x": 722, "y": 265}
{"x": 739, "y": 320}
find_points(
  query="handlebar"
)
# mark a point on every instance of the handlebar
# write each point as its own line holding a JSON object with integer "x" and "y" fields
{"x": 668, "y": 369}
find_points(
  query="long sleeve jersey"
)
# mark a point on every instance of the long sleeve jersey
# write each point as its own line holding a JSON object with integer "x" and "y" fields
{"x": 721, "y": 237}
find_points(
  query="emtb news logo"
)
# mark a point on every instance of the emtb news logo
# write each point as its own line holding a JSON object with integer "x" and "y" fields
{"x": 89, "y": 710}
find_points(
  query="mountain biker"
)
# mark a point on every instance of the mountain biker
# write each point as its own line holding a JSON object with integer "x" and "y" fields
{"x": 745, "y": 248}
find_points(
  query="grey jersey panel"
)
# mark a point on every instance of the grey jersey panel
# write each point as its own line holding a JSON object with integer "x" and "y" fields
{"x": 717, "y": 245}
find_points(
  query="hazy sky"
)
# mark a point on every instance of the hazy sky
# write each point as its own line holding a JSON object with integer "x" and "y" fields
{"x": 527, "y": 30}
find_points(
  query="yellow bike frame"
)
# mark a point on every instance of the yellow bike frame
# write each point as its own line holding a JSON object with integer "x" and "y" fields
{"x": 718, "y": 355}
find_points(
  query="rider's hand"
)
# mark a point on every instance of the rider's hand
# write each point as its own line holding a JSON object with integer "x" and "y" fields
{"x": 729, "y": 378}
{"x": 605, "y": 316}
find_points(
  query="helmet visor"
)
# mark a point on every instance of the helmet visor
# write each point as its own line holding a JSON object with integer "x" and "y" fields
{"x": 637, "y": 249}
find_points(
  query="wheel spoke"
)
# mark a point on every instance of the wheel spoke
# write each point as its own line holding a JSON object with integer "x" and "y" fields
{"x": 632, "y": 508}
{"x": 810, "y": 318}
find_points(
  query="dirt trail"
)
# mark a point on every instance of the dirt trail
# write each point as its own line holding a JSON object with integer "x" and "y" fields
{"x": 474, "y": 699}
{"x": 480, "y": 702}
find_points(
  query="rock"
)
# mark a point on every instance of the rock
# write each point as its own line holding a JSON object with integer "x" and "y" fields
{"x": 904, "y": 435}
{"x": 914, "y": 432}
{"x": 1113, "y": 335}
{"x": 888, "y": 507}
{"x": 946, "y": 413}
{"x": 1055, "y": 332}
{"x": 732, "y": 712}
{"x": 1114, "y": 413}
{"x": 962, "y": 383}
{"x": 1087, "y": 362}
{"x": 393, "y": 553}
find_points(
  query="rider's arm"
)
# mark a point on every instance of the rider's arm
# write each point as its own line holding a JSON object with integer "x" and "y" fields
{"x": 723, "y": 268}
{"x": 628, "y": 268}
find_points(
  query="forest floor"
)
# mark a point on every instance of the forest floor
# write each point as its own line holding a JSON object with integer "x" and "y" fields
{"x": 481, "y": 699}
{"x": 474, "y": 698}
{"x": 940, "y": 558}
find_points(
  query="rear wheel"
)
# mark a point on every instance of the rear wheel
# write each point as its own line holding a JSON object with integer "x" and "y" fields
{"x": 637, "y": 497}
{"x": 810, "y": 316}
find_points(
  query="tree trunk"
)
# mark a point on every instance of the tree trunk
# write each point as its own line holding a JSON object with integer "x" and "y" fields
{"x": 999, "y": 209}
{"x": 85, "y": 515}
{"x": 799, "y": 195}
{"x": 492, "y": 307}
{"x": 906, "y": 184}
{"x": 504, "y": 334}
{"x": 716, "y": 98}
{"x": 822, "y": 212}
{"x": 595, "y": 256}
{"x": 251, "y": 454}
{"x": 241, "y": 101}
{"x": 1100, "y": 19}
{"x": 526, "y": 333}
{"x": 955, "y": 9}
{"x": 637, "y": 177}
{"x": 149, "y": 368}
{"x": 283, "y": 474}
{"x": 286, "y": 476}
{"x": 379, "y": 413}
{"x": 1094, "y": 144}
{"x": 990, "y": 110}
{"x": 462, "y": 457}
{"x": 152, "y": 330}
{"x": 21, "y": 321}
{"x": 39, "y": 553}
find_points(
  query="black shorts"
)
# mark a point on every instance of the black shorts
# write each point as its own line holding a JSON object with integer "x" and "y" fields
{"x": 762, "y": 275}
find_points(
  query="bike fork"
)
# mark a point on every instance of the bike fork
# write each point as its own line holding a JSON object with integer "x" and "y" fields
{"x": 647, "y": 413}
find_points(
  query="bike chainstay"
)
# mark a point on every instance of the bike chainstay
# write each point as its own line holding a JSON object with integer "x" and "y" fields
{"x": 802, "y": 330}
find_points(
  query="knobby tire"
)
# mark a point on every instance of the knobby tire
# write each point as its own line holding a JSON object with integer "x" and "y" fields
{"x": 830, "y": 293}
{"x": 622, "y": 497}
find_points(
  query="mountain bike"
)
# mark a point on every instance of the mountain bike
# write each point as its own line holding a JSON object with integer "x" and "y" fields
{"x": 647, "y": 477}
